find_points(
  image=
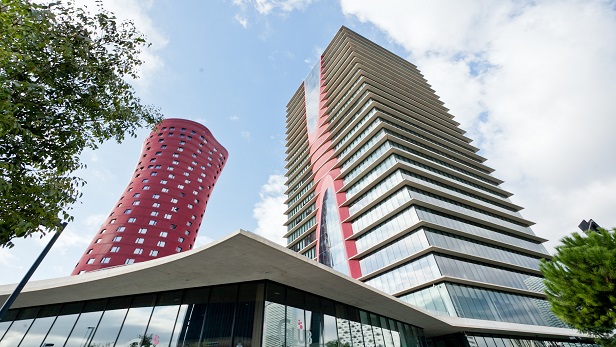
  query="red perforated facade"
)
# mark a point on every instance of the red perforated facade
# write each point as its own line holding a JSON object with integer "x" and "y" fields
{"x": 161, "y": 210}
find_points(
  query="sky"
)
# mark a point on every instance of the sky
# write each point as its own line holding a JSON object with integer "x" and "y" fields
{"x": 532, "y": 82}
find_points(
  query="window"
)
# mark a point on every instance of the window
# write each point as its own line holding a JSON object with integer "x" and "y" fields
{"x": 194, "y": 155}
{"x": 163, "y": 146}
{"x": 105, "y": 260}
{"x": 136, "y": 195}
{"x": 173, "y": 226}
{"x": 156, "y": 204}
{"x": 139, "y": 240}
{"x": 117, "y": 238}
{"x": 180, "y": 149}
{"x": 161, "y": 140}
{"x": 153, "y": 173}
{"x": 160, "y": 243}
{"x": 170, "y": 134}
{"x": 103, "y": 231}
{"x": 152, "y": 222}
{"x": 138, "y": 251}
{"x": 183, "y": 129}
{"x": 186, "y": 174}
{"x": 153, "y": 253}
{"x": 170, "y": 168}
{"x": 163, "y": 181}
{"x": 163, "y": 234}
{"x": 193, "y": 132}
{"x": 167, "y": 216}
{"x": 142, "y": 230}
{"x": 112, "y": 221}
{"x": 127, "y": 211}
{"x": 174, "y": 200}
{"x": 182, "y": 142}
{"x": 89, "y": 251}
{"x": 178, "y": 249}
{"x": 115, "y": 249}
{"x": 190, "y": 206}
{"x": 155, "y": 196}
{"x": 174, "y": 209}
{"x": 145, "y": 187}
{"x": 171, "y": 176}
{"x": 165, "y": 190}
{"x": 187, "y": 181}
{"x": 182, "y": 194}
{"x": 189, "y": 223}
{"x": 90, "y": 261}
{"x": 193, "y": 217}
{"x": 154, "y": 213}
{"x": 172, "y": 128}
{"x": 120, "y": 229}
{"x": 129, "y": 261}
{"x": 136, "y": 202}
{"x": 152, "y": 160}
{"x": 195, "y": 192}
{"x": 180, "y": 239}
{"x": 98, "y": 240}
{"x": 186, "y": 232}
{"x": 175, "y": 155}
{"x": 157, "y": 166}
{"x": 149, "y": 166}
{"x": 132, "y": 220}
{"x": 181, "y": 186}
{"x": 158, "y": 153}
{"x": 145, "y": 180}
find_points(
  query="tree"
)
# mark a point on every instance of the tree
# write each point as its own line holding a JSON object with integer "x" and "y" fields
{"x": 581, "y": 283}
{"x": 63, "y": 89}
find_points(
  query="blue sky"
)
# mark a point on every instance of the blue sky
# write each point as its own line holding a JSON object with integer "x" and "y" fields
{"x": 532, "y": 82}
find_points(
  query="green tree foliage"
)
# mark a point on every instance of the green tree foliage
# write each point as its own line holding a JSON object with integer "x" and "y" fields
{"x": 581, "y": 283}
{"x": 62, "y": 90}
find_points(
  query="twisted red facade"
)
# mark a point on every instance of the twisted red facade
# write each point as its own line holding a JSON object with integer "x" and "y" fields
{"x": 161, "y": 210}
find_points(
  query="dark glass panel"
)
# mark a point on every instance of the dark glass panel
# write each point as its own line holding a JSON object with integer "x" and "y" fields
{"x": 46, "y": 316}
{"x": 219, "y": 316}
{"x": 192, "y": 320}
{"x": 245, "y": 315}
{"x": 274, "y": 292}
{"x": 355, "y": 326}
{"x": 314, "y": 320}
{"x": 87, "y": 322}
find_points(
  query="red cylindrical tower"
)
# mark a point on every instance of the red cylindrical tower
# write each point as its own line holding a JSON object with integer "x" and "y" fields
{"x": 160, "y": 211}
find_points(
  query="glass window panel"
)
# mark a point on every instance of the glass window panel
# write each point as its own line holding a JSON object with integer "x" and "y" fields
{"x": 86, "y": 324}
{"x": 134, "y": 327}
{"x": 164, "y": 315}
{"x": 63, "y": 324}
{"x": 20, "y": 326}
{"x": 111, "y": 322}
{"x": 219, "y": 317}
{"x": 366, "y": 328}
{"x": 46, "y": 316}
{"x": 249, "y": 296}
{"x": 6, "y": 321}
{"x": 274, "y": 326}
{"x": 192, "y": 320}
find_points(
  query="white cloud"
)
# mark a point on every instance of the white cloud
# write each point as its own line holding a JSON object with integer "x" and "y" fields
{"x": 533, "y": 83}
{"x": 242, "y": 20}
{"x": 269, "y": 211}
{"x": 136, "y": 11}
{"x": 234, "y": 118}
{"x": 245, "y": 134}
{"x": 265, "y": 7}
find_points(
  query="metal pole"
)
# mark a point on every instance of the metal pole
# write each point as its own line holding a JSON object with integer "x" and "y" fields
{"x": 37, "y": 262}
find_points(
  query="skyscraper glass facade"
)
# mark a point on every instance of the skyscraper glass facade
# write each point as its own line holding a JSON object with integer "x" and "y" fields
{"x": 419, "y": 213}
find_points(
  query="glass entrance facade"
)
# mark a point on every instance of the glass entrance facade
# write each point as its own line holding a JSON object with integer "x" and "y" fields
{"x": 240, "y": 315}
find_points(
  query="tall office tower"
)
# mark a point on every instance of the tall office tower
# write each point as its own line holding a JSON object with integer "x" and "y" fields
{"x": 161, "y": 210}
{"x": 384, "y": 186}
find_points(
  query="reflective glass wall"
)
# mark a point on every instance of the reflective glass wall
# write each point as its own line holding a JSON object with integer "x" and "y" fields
{"x": 238, "y": 315}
